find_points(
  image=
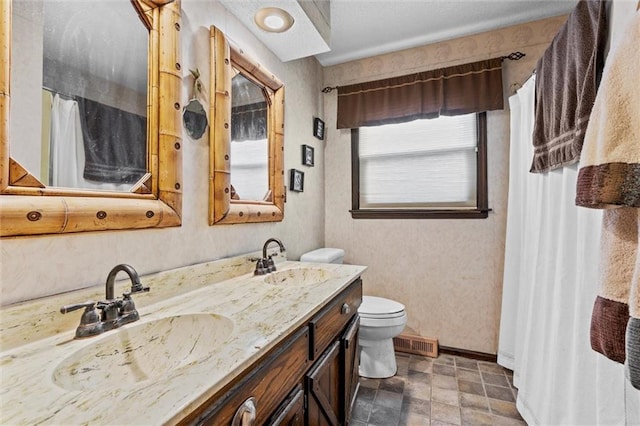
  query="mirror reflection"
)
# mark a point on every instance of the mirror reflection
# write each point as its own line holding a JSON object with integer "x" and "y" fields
{"x": 79, "y": 93}
{"x": 249, "y": 140}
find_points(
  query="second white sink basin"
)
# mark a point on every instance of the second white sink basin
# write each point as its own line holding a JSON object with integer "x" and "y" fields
{"x": 298, "y": 276}
{"x": 150, "y": 350}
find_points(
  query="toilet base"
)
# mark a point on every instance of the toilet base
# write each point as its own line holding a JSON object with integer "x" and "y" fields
{"x": 377, "y": 359}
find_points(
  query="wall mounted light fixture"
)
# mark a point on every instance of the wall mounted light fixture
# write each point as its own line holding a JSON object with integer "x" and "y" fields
{"x": 273, "y": 19}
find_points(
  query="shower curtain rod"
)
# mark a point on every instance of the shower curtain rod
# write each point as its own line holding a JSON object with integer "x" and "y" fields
{"x": 55, "y": 92}
{"x": 513, "y": 56}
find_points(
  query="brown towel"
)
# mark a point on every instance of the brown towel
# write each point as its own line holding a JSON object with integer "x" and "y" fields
{"x": 609, "y": 178}
{"x": 566, "y": 83}
{"x": 618, "y": 248}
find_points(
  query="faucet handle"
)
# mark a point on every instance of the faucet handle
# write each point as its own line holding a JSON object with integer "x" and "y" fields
{"x": 89, "y": 322}
{"x": 70, "y": 308}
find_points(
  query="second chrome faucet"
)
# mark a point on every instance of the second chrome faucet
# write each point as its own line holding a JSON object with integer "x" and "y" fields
{"x": 266, "y": 264}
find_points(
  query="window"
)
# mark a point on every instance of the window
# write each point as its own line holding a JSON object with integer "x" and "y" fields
{"x": 433, "y": 168}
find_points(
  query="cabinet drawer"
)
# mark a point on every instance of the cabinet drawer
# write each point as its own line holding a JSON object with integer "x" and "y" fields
{"x": 269, "y": 383}
{"x": 324, "y": 328}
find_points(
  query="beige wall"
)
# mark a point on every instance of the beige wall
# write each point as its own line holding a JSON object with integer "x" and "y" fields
{"x": 448, "y": 273}
{"x": 38, "y": 266}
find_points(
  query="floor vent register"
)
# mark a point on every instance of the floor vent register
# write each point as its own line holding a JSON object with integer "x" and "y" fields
{"x": 416, "y": 345}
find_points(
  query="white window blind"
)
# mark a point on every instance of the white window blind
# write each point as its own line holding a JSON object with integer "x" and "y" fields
{"x": 250, "y": 168}
{"x": 423, "y": 163}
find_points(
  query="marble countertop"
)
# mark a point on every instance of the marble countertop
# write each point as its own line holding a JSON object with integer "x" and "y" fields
{"x": 258, "y": 314}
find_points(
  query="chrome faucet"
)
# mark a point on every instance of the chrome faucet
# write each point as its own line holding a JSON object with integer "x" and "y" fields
{"x": 266, "y": 264}
{"x": 115, "y": 312}
{"x": 136, "y": 286}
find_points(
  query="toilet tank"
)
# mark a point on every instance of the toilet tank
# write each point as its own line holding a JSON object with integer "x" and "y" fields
{"x": 324, "y": 255}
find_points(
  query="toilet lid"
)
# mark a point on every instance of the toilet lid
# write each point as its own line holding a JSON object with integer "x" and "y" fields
{"x": 323, "y": 255}
{"x": 378, "y": 306}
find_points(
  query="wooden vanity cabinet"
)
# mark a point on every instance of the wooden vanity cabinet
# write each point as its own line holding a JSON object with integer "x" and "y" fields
{"x": 310, "y": 378}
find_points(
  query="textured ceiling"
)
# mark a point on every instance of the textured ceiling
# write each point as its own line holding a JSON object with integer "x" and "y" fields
{"x": 364, "y": 28}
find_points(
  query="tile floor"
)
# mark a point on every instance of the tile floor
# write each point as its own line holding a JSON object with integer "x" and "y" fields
{"x": 448, "y": 390}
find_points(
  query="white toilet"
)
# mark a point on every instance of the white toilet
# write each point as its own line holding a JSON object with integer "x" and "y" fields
{"x": 380, "y": 321}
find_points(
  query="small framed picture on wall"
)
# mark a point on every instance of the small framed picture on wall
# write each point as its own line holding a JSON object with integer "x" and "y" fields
{"x": 318, "y": 128}
{"x": 307, "y": 155}
{"x": 296, "y": 180}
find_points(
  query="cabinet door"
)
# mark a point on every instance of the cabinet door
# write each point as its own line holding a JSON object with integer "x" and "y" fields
{"x": 292, "y": 411}
{"x": 351, "y": 361}
{"x": 324, "y": 396}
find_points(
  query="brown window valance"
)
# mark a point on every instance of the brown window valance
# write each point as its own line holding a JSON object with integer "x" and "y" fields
{"x": 461, "y": 89}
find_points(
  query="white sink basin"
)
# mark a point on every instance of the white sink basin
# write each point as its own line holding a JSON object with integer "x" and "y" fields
{"x": 298, "y": 277}
{"x": 135, "y": 353}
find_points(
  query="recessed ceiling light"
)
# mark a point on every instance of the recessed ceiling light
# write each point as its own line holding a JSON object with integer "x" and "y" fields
{"x": 273, "y": 19}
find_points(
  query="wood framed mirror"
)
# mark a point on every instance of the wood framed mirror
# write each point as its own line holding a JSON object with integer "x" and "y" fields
{"x": 152, "y": 198}
{"x": 247, "y": 160}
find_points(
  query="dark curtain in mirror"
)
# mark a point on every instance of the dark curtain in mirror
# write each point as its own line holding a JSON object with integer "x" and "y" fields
{"x": 248, "y": 110}
{"x": 249, "y": 122}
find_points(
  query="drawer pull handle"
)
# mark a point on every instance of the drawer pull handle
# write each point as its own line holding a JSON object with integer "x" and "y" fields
{"x": 245, "y": 414}
{"x": 346, "y": 309}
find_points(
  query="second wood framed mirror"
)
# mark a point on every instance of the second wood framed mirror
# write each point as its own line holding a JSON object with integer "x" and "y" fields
{"x": 246, "y": 138}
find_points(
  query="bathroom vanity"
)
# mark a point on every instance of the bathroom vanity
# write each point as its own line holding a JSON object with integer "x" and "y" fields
{"x": 311, "y": 374}
{"x": 213, "y": 342}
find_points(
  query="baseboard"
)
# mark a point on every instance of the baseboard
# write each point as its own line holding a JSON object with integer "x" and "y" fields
{"x": 469, "y": 354}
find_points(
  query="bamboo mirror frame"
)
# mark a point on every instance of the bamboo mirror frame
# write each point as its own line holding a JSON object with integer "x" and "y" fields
{"x": 222, "y": 209}
{"x": 28, "y": 207}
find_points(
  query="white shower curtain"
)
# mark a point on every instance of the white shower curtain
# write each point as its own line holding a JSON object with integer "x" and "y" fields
{"x": 67, "y": 149}
{"x": 551, "y": 261}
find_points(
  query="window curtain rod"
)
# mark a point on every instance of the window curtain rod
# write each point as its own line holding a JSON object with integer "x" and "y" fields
{"x": 513, "y": 56}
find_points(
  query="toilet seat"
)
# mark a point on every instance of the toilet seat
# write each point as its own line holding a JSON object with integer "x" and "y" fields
{"x": 382, "y": 316}
{"x": 379, "y": 307}
{"x": 400, "y": 320}
{"x": 380, "y": 312}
